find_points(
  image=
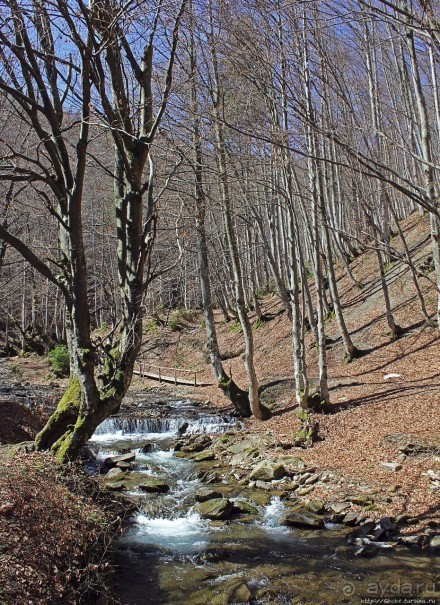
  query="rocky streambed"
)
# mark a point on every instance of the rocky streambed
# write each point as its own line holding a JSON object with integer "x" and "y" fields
{"x": 219, "y": 522}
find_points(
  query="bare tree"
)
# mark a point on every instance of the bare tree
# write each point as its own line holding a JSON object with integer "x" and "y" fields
{"x": 67, "y": 67}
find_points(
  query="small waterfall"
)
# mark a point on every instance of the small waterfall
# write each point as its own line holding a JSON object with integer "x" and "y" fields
{"x": 125, "y": 428}
{"x": 273, "y": 513}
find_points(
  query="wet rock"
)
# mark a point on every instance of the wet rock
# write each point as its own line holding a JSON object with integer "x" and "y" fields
{"x": 216, "y": 552}
{"x": 268, "y": 470}
{"x": 419, "y": 540}
{"x": 388, "y": 524}
{"x": 197, "y": 444}
{"x": 115, "y": 474}
{"x": 147, "y": 448}
{"x": 205, "y": 494}
{"x": 113, "y": 460}
{"x": 260, "y": 498}
{"x": 315, "y": 506}
{"x": 297, "y": 519}
{"x": 242, "y": 506}
{"x": 367, "y": 550}
{"x": 124, "y": 466}
{"x": 238, "y": 592}
{"x": 364, "y": 530}
{"x": 181, "y": 430}
{"x": 391, "y": 466}
{"x": 218, "y": 508}
{"x": 338, "y": 507}
{"x": 150, "y": 484}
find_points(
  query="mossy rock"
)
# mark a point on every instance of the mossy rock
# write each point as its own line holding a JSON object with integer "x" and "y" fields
{"x": 316, "y": 507}
{"x": 216, "y": 509}
{"x": 301, "y": 520}
{"x": 150, "y": 484}
{"x": 242, "y": 506}
{"x": 205, "y": 456}
{"x": 115, "y": 474}
{"x": 268, "y": 470}
{"x": 204, "y": 494}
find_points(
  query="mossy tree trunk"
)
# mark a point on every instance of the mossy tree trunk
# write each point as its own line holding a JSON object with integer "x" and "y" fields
{"x": 104, "y": 66}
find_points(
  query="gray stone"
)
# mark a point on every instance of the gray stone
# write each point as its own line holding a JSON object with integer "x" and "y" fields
{"x": 297, "y": 519}
{"x": 338, "y": 507}
{"x": 113, "y": 460}
{"x": 350, "y": 519}
{"x": 150, "y": 484}
{"x": 205, "y": 456}
{"x": 315, "y": 506}
{"x": 263, "y": 485}
{"x": 267, "y": 470}
{"x": 115, "y": 474}
{"x": 242, "y": 506}
{"x": 391, "y": 466}
{"x": 204, "y": 494}
{"x": 218, "y": 508}
{"x": 412, "y": 540}
{"x": 311, "y": 480}
{"x": 124, "y": 466}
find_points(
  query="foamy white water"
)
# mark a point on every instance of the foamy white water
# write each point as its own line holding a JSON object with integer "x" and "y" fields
{"x": 185, "y": 535}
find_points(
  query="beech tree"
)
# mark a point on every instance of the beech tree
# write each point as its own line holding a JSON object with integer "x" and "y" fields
{"x": 70, "y": 69}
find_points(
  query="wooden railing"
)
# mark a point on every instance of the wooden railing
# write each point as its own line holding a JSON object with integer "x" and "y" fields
{"x": 167, "y": 374}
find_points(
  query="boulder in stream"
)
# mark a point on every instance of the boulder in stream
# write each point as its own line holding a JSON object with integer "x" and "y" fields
{"x": 113, "y": 460}
{"x": 115, "y": 474}
{"x": 302, "y": 519}
{"x": 217, "y": 508}
{"x": 204, "y": 494}
{"x": 150, "y": 484}
{"x": 243, "y": 506}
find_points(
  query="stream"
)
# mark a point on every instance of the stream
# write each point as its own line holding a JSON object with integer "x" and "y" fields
{"x": 169, "y": 555}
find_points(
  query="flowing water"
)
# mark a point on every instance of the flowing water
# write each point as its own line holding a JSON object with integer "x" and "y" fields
{"x": 169, "y": 555}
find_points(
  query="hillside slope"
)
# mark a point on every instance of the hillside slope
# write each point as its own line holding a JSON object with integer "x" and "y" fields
{"x": 380, "y": 402}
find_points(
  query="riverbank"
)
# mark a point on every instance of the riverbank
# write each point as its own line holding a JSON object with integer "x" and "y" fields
{"x": 219, "y": 521}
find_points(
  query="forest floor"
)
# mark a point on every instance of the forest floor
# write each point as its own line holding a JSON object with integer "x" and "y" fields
{"x": 379, "y": 402}
{"x": 388, "y": 397}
